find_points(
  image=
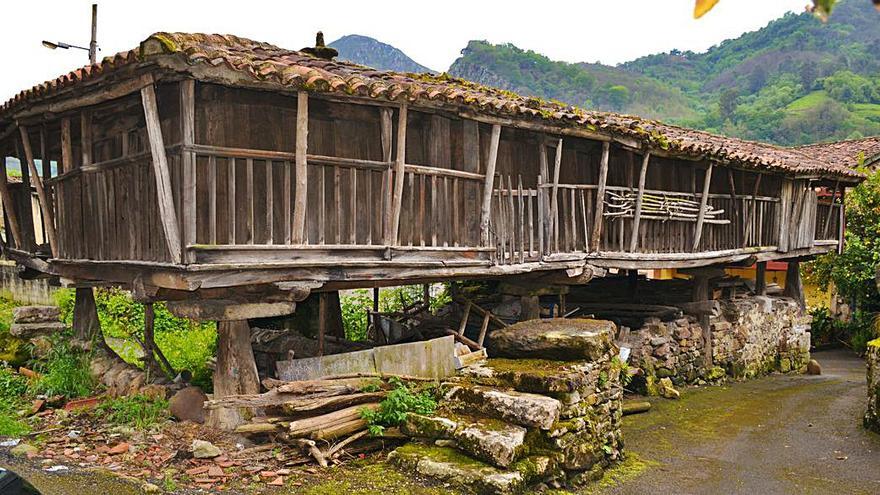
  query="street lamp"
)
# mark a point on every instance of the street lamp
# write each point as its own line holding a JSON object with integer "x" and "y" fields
{"x": 93, "y": 44}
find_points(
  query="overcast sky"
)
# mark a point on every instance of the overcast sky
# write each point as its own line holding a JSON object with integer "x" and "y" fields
{"x": 432, "y": 33}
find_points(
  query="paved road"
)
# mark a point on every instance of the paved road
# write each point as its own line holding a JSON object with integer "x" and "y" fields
{"x": 775, "y": 435}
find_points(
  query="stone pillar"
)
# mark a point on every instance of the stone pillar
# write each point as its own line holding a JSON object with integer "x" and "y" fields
{"x": 530, "y": 308}
{"x": 236, "y": 372}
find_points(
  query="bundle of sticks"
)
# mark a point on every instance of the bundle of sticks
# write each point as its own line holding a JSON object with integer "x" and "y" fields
{"x": 659, "y": 207}
{"x": 320, "y": 417}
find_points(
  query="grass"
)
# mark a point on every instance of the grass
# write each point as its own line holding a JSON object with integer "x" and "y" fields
{"x": 138, "y": 411}
{"x": 870, "y": 111}
{"x": 13, "y": 388}
{"x": 65, "y": 371}
{"x": 808, "y": 101}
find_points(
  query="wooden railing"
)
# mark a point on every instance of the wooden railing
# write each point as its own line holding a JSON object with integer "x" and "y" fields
{"x": 516, "y": 226}
{"x": 828, "y": 221}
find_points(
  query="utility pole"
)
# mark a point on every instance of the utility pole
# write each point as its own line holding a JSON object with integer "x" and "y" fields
{"x": 93, "y": 44}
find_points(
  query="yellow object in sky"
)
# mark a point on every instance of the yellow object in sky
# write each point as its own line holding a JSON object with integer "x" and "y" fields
{"x": 703, "y": 6}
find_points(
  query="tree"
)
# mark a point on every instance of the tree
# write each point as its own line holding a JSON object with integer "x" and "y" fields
{"x": 617, "y": 96}
{"x": 727, "y": 103}
{"x": 822, "y": 8}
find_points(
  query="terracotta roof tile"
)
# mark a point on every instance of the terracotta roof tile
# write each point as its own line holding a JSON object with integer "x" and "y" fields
{"x": 850, "y": 153}
{"x": 290, "y": 69}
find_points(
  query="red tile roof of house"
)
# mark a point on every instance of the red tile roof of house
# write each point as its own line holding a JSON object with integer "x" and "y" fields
{"x": 236, "y": 61}
{"x": 851, "y": 153}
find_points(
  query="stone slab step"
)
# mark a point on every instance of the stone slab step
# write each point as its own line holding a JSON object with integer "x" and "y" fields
{"x": 450, "y": 466}
{"x": 29, "y": 330}
{"x": 523, "y": 409}
{"x": 36, "y": 314}
{"x": 490, "y": 440}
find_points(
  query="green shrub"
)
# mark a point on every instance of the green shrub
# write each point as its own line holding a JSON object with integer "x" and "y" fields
{"x": 12, "y": 384}
{"x": 402, "y": 400}
{"x": 65, "y": 371}
{"x": 356, "y": 303}
{"x": 10, "y": 424}
{"x": 138, "y": 411}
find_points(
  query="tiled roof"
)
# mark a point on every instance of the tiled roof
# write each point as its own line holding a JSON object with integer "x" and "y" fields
{"x": 851, "y": 153}
{"x": 239, "y": 61}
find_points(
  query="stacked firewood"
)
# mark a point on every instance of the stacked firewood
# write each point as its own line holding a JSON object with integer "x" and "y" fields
{"x": 322, "y": 417}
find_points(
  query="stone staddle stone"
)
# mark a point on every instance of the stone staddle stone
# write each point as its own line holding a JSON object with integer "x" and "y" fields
{"x": 558, "y": 339}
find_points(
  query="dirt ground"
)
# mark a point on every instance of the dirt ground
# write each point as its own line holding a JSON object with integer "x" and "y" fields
{"x": 775, "y": 435}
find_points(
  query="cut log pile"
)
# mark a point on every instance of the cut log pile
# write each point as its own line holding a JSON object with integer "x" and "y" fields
{"x": 322, "y": 418}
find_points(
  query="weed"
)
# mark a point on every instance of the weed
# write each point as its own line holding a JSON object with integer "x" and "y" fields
{"x": 401, "y": 401}
{"x": 65, "y": 371}
{"x": 10, "y": 424}
{"x": 138, "y": 411}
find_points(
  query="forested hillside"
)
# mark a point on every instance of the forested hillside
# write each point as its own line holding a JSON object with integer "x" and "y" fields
{"x": 795, "y": 81}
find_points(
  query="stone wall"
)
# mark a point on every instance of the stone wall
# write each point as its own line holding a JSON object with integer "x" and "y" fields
{"x": 750, "y": 336}
{"x": 872, "y": 356}
{"x": 35, "y": 291}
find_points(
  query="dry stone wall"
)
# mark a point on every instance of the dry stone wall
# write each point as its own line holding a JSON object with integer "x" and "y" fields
{"x": 872, "y": 356}
{"x": 750, "y": 336}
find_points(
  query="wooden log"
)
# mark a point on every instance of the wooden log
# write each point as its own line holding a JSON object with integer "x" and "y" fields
{"x": 598, "y": 221}
{"x": 761, "y": 278}
{"x": 236, "y": 372}
{"x": 637, "y": 216}
{"x": 474, "y": 346}
{"x": 391, "y": 237}
{"x": 165, "y": 198}
{"x": 489, "y": 184}
{"x": 306, "y": 426}
{"x": 704, "y": 201}
{"x": 258, "y": 428}
{"x": 37, "y": 183}
{"x": 301, "y": 172}
{"x": 328, "y": 404}
{"x": 334, "y": 431}
{"x": 635, "y": 407}
{"x": 341, "y": 445}
{"x": 276, "y": 398}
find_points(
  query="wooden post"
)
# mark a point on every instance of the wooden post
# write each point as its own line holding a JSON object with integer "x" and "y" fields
{"x": 751, "y": 217}
{"x": 85, "y": 315}
{"x": 489, "y": 184}
{"x": 600, "y": 199}
{"x": 387, "y": 177}
{"x": 188, "y": 163}
{"x": 701, "y": 293}
{"x": 637, "y": 216}
{"x": 784, "y": 214}
{"x": 793, "y": 286}
{"x": 704, "y": 201}
{"x": 9, "y": 207}
{"x": 235, "y": 374}
{"x": 301, "y": 194}
{"x": 41, "y": 193}
{"x": 399, "y": 172}
{"x": 554, "y": 196}
{"x": 761, "y": 278}
{"x": 163, "y": 175}
{"x": 149, "y": 339}
{"x": 66, "y": 164}
{"x": 731, "y": 181}
{"x": 322, "y": 321}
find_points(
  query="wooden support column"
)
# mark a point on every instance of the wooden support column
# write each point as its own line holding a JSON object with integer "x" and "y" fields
{"x": 387, "y": 176}
{"x": 188, "y": 163}
{"x": 554, "y": 197}
{"x": 301, "y": 194}
{"x": 322, "y": 321}
{"x": 149, "y": 338}
{"x": 41, "y": 193}
{"x": 637, "y": 216}
{"x": 9, "y": 207}
{"x": 704, "y": 201}
{"x": 543, "y": 199}
{"x": 85, "y": 315}
{"x": 235, "y": 374}
{"x": 489, "y": 184}
{"x": 761, "y": 278}
{"x": 793, "y": 286}
{"x": 600, "y": 199}
{"x": 163, "y": 175}
{"x": 750, "y": 217}
{"x": 701, "y": 293}
{"x": 66, "y": 164}
{"x": 391, "y": 235}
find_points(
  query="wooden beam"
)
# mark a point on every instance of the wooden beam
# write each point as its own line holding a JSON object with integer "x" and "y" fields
{"x": 489, "y": 184}
{"x": 9, "y": 207}
{"x": 41, "y": 193}
{"x": 188, "y": 161}
{"x": 302, "y": 180}
{"x": 164, "y": 196}
{"x": 793, "y": 286}
{"x": 704, "y": 201}
{"x": 387, "y": 179}
{"x": 637, "y": 216}
{"x": 554, "y": 196}
{"x": 399, "y": 172}
{"x": 600, "y": 198}
{"x": 100, "y": 95}
{"x": 66, "y": 164}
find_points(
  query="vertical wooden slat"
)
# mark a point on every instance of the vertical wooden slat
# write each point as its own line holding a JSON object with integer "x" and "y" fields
{"x": 483, "y": 327}
{"x": 337, "y": 202}
{"x": 830, "y": 211}
{"x": 600, "y": 198}
{"x": 554, "y": 196}
{"x": 456, "y": 232}
{"x": 751, "y": 217}
{"x": 435, "y": 217}
{"x": 541, "y": 220}
{"x": 584, "y": 221}
{"x": 412, "y": 198}
{"x": 446, "y": 225}
{"x": 489, "y": 184}
{"x": 422, "y": 201}
{"x": 531, "y": 224}
{"x": 230, "y": 185}
{"x": 301, "y": 192}
{"x": 370, "y": 206}
{"x": 270, "y": 202}
{"x": 353, "y": 213}
{"x": 572, "y": 236}
{"x": 637, "y": 216}
{"x": 387, "y": 186}
{"x": 66, "y": 164}
{"x": 165, "y": 199}
{"x": 322, "y": 204}
{"x": 521, "y": 205}
{"x": 391, "y": 237}
{"x": 212, "y": 199}
{"x": 704, "y": 201}
{"x": 188, "y": 162}
{"x": 286, "y": 202}
{"x": 249, "y": 199}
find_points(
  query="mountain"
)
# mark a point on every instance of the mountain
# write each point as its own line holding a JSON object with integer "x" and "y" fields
{"x": 367, "y": 51}
{"x": 794, "y": 81}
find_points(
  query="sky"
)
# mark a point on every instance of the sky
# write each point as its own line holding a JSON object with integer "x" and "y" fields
{"x": 432, "y": 33}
